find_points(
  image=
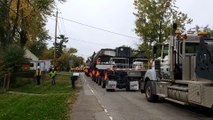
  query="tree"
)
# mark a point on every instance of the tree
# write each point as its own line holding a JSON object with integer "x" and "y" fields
{"x": 4, "y": 25}
{"x": 63, "y": 61}
{"x": 154, "y": 20}
{"x": 68, "y": 59}
{"x": 22, "y": 20}
{"x": 72, "y": 50}
{"x": 203, "y": 29}
{"x": 48, "y": 54}
{"x": 77, "y": 61}
{"x": 13, "y": 58}
{"x": 39, "y": 46}
{"x": 60, "y": 46}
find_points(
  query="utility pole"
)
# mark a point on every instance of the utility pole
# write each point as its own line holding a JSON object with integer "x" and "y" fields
{"x": 56, "y": 24}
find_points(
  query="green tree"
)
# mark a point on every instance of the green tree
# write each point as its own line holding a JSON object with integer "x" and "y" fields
{"x": 22, "y": 20}
{"x": 48, "y": 54}
{"x": 67, "y": 56}
{"x": 39, "y": 46}
{"x": 60, "y": 46}
{"x": 77, "y": 61}
{"x": 154, "y": 20}
{"x": 206, "y": 28}
{"x": 13, "y": 58}
{"x": 72, "y": 51}
{"x": 63, "y": 61}
{"x": 4, "y": 26}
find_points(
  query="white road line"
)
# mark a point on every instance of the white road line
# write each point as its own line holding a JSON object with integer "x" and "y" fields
{"x": 105, "y": 110}
{"x": 92, "y": 91}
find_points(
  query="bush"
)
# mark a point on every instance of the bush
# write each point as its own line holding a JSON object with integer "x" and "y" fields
{"x": 22, "y": 78}
{"x": 13, "y": 58}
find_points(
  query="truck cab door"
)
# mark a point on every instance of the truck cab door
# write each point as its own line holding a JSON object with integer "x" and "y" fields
{"x": 164, "y": 61}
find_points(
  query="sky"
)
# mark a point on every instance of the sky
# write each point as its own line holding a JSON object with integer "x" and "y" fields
{"x": 83, "y": 17}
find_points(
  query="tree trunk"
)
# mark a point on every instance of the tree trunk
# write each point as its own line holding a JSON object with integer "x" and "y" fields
{"x": 15, "y": 21}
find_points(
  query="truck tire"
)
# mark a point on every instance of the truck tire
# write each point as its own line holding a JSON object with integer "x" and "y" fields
{"x": 99, "y": 81}
{"x": 103, "y": 84}
{"x": 107, "y": 90}
{"x": 106, "y": 84}
{"x": 127, "y": 86}
{"x": 148, "y": 92}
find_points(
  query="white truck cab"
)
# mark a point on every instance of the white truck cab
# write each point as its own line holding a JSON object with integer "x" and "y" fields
{"x": 183, "y": 73}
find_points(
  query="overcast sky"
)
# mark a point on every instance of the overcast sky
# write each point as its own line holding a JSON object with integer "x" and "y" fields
{"x": 115, "y": 16}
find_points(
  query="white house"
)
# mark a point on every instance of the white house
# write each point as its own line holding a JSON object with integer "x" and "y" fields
{"x": 45, "y": 65}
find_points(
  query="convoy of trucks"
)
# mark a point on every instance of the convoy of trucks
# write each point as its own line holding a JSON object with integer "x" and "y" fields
{"x": 118, "y": 69}
{"x": 182, "y": 74}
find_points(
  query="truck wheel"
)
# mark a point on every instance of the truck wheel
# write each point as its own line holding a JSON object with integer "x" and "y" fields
{"x": 128, "y": 86}
{"x": 99, "y": 81}
{"x": 107, "y": 90}
{"x": 142, "y": 91}
{"x": 110, "y": 90}
{"x": 148, "y": 91}
{"x": 103, "y": 84}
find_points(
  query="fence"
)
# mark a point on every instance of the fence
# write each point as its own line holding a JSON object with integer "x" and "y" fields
{"x": 15, "y": 80}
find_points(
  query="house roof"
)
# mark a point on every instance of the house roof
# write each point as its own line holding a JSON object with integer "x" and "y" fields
{"x": 30, "y": 55}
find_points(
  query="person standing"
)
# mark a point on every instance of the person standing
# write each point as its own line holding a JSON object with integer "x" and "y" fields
{"x": 38, "y": 75}
{"x": 53, "y": 75}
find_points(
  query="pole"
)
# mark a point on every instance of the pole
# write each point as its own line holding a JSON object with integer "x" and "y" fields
{"x": 56, "y": 24}
{"x": 172, "y": 58}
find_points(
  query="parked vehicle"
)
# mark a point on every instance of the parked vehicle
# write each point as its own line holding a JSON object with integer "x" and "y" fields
{"x": 183, "y": 73}
{"x": 125, "y": 74}
{"x": 124, "y": 71}
{"x": 101, "y": 63}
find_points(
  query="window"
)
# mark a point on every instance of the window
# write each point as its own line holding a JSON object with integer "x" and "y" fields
{"x": 165, "y": 50}
{"x": 191, "y": 47}
{"x": 31, "y": 65}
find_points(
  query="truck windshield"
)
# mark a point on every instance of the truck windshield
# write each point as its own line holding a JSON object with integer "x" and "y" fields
{"x": 121, "y": 61}
{"x": 191, "y": 47}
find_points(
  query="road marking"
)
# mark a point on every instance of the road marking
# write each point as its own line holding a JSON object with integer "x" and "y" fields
{"x": 99, "y": 102}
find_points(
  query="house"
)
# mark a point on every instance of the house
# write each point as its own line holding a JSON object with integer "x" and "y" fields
{"x": 45, "y": 65}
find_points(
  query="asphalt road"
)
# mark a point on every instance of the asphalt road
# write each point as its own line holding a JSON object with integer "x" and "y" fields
{"x": 122, "y": 105}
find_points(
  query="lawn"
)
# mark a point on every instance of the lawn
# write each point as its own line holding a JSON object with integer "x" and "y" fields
{"x": 43, "y": 102}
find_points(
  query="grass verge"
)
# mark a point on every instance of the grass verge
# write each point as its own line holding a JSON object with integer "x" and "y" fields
{"x": 43, "y": 102}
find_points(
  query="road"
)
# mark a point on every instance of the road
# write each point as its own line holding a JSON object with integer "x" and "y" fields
{"x": 122, "y": 105}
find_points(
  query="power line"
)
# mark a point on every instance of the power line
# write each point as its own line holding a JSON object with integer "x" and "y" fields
{"x": 97, "y": 28}
{"x": 73, "y": 21}
{"x": 85, "y": 41}
{"x": 62, "y": 22}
